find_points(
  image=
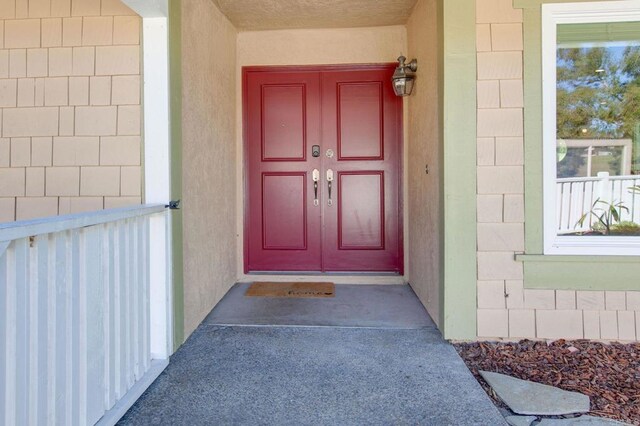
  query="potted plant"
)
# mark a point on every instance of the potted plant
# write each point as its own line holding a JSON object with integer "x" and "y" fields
{"x": 607, "y": 216}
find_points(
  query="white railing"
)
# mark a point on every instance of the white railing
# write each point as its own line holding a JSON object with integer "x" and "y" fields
{"x": 80, "y": 335}
{"x": 576, "y": 196}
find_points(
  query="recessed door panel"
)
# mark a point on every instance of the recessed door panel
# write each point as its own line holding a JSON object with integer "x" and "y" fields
{"x": 361, "y": 210}
{"x": 283, "y": 123}
{"x": 284, "y": 211}
{"x": 360, "y": 118}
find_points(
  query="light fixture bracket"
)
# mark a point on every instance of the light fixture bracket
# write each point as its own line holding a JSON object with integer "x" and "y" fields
{"x": 412, "y": 65}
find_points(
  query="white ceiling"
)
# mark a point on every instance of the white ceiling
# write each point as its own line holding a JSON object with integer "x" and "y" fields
{"x": 252, "y": 15}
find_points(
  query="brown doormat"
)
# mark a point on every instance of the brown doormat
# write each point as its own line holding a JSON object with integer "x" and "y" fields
{"x": 296, "y": 289}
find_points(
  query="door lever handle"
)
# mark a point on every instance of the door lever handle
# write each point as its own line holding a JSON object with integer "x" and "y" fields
{"x": 329, "y": 181}
{"x": 316, "y": 177}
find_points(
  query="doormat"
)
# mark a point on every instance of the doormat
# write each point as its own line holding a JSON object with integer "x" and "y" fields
{"x": 296, "y": 289}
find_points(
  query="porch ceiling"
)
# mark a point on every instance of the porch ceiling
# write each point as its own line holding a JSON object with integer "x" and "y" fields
{"x": 251, "y": 15}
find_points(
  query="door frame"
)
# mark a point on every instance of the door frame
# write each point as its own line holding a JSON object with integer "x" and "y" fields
{"x": 245, "y": 160}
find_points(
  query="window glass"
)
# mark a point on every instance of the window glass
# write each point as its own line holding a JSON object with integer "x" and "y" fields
{"x": 598, "y": 129}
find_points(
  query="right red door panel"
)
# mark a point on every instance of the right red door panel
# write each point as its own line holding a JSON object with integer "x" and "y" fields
{"x": 361, "y": 119}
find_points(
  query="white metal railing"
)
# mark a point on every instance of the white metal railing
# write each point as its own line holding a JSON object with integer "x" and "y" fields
{"x": 78, "y": 344}
{"x": 576, "y": 196}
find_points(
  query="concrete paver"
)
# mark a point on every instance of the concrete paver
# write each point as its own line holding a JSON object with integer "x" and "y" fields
{"x": 525, "y": 397}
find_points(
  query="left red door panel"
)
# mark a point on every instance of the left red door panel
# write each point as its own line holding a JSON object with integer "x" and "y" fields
{"x": 282, "y": 119}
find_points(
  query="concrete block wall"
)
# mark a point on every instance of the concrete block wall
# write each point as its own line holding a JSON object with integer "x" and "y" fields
{"x": 70, "y": 113}
{"x": 505, "y": 308}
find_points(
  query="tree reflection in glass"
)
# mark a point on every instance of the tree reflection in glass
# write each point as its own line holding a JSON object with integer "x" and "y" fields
{"x": 598, "y": 127}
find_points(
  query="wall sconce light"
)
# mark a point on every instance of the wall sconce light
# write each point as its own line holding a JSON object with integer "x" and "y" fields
{"x": 403, "y": 76}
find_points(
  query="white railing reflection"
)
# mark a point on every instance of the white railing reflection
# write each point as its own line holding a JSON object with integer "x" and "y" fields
{"x": 575, "y": 197}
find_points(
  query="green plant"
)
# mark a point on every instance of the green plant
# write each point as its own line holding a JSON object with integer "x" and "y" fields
{"x": 625, "y": 228}
{"x": 606, "y": 214}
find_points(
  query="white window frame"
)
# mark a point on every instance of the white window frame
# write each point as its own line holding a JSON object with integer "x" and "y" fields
{"x": 573, "y": 13}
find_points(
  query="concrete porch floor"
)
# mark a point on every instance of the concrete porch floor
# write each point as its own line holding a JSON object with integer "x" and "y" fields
{"x": 316, "y": 375}
{"x": 361, "y": 305}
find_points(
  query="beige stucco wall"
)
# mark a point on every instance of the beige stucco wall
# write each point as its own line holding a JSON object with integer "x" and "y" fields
{"x": 311, "y": 47}
{"x": 505, "y": 308}
{"x": 424, "y": 148}
{"x": 70, "y": 107}
{"x": 322, "y": 46}
{"x": 209, "y": 157}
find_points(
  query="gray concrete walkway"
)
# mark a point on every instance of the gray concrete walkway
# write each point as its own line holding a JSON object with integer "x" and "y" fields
{"x": 238, "y": 375}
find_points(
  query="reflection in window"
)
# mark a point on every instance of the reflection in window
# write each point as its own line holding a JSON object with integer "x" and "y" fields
{"x": 587, "y": 158}
{"x": 598, "y": 129}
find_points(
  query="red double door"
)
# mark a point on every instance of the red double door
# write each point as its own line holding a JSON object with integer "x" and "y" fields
{"x": 322, "y": 175}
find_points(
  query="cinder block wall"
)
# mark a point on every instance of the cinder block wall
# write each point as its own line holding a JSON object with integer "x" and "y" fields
{"x": 505, "y": 308}
{"x": 69, "y": 107}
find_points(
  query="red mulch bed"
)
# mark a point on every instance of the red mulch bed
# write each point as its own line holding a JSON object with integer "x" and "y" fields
{"x": 608, "y": 373}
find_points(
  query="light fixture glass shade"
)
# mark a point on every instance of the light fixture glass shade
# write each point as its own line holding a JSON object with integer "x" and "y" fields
{"x": 403, "y": 77}
{"x": 403, "y": 86}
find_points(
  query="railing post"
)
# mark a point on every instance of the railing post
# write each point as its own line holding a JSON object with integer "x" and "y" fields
{"x": 603, "y": 191}
{"x": 159, "y": 287}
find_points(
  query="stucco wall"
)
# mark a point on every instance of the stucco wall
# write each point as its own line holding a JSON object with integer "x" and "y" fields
{"x": 311, "y": 47}
{"x": 209, "y": 157}
{"x": 424, "y": 148}
{"x": 505, "y": 307}
{"x": 70, "y": 107}
{"x": 321, "y": 46}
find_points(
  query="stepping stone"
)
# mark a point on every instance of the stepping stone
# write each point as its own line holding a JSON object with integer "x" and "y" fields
{"x": 520, "y": 420}
{"x": 524, "y": 397}
{"x": 582, "y": 420}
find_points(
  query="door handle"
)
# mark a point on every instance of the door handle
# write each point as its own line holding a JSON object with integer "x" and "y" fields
{"x": 316, "y": 177}
{"x": 329, "y": 181}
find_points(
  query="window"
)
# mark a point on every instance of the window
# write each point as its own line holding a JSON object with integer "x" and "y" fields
{"x": 591, "y": 127}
